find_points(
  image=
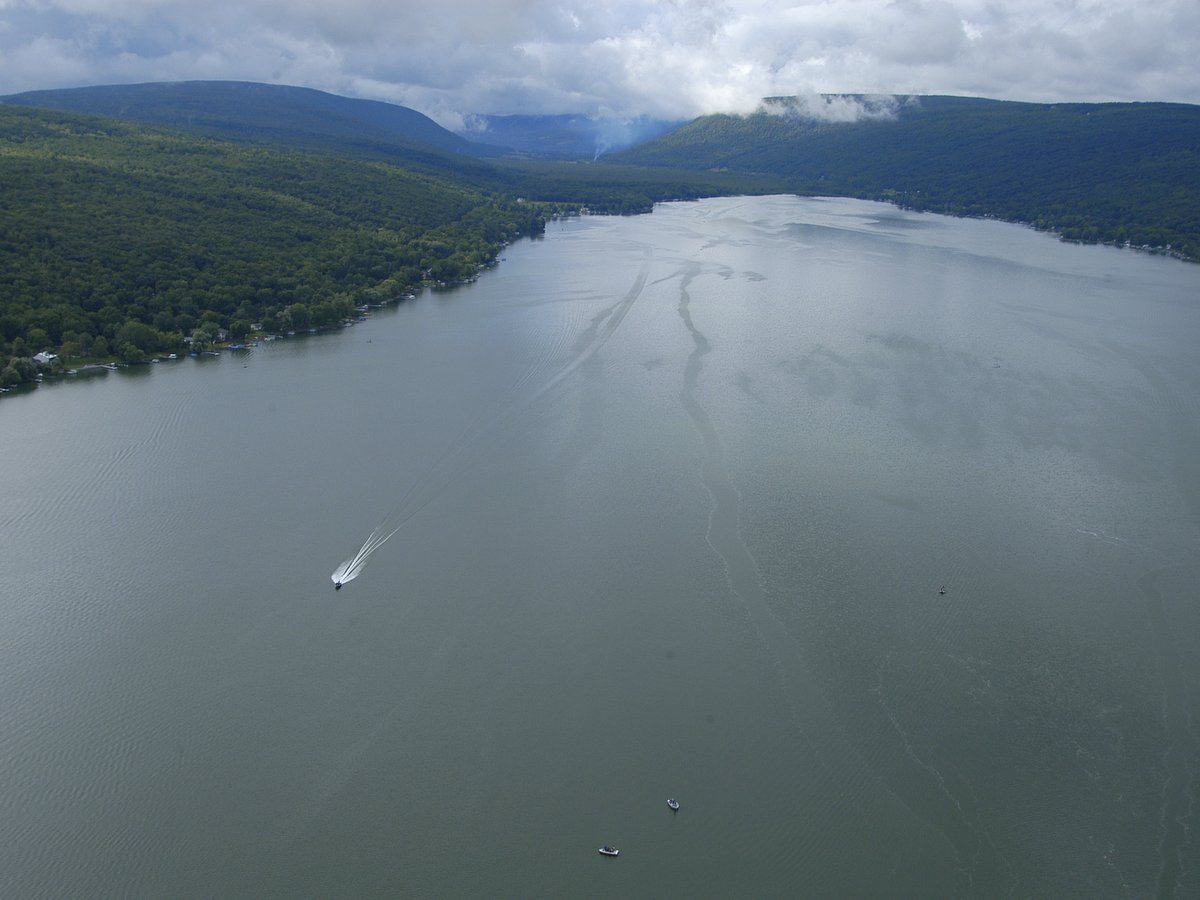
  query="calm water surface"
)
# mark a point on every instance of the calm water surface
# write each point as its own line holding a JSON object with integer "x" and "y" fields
{"x": 681, "y": 491}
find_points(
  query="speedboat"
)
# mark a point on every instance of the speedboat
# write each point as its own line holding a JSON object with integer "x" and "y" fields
{"x": 609, "y": 851}
{"x": 674, "y": 804}
{"x": 337, "y": 585}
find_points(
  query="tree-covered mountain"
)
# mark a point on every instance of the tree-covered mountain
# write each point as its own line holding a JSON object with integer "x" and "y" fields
{"x": 301, "y": 119}
{"x": 302, "y": 116}
{"x": 121, "y": 239}
{"x": 265, "y": 112}
{"x": 1110, "y": 172}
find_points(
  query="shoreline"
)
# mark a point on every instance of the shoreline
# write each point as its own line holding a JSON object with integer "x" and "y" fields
{"x": 95, "y": 365}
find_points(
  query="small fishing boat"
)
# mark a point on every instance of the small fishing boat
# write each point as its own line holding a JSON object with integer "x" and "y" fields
{"x": 609, "y": 851}
{"x": 674, "y": 804}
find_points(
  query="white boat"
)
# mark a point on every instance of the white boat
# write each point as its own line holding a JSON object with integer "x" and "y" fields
{"x": 674, "y": 804}
{"x": 609, "y": 851}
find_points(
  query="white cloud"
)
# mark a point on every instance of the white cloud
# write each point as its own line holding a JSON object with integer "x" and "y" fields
{"x": 623, "y": 58}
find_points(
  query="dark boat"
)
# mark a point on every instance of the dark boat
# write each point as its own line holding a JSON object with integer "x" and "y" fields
{"x": 674, "y": 804}
{"x": 337, "y": 585}
{"x": 609, "y": 851}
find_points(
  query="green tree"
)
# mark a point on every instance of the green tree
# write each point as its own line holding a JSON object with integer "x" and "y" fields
{"x": 203, "y": 337}
{"x": 20, "y": 370}
{"x": 300, "y": 316}
{"x": 143, "y": 337}
{"x": 38, "y": 339}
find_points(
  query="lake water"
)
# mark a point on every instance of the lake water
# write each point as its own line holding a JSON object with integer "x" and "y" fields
{"x": 680, "y": 492}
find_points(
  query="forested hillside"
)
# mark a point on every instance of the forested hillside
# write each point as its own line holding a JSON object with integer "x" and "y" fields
{"x": 1108, "y": 172}
{"x": 118, "y": 238}
{"x": 300, "y": 119}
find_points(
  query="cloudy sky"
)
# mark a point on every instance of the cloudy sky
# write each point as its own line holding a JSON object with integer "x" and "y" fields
{"x": 666, "y": 58}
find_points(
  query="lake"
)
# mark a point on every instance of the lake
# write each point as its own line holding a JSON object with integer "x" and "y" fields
{"x": 678, "y": 496}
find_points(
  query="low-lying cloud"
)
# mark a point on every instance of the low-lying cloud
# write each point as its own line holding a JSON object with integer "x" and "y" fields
{"x": 835, "y": 107}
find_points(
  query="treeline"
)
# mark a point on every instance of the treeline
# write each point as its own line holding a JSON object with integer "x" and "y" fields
{"x": 1103, "y": 172}
{"x": 120, "y": 240}
{"x": 613, "y": 189}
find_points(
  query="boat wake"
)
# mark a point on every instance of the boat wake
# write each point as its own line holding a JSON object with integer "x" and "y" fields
{"x": 444, "y": 470}
{"x": 352, "y": 567}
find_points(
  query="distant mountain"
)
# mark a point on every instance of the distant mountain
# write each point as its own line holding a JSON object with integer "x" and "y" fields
{"x": 1111, "y": 172}
{"x": 1103, "y": 172}
{"x": 264, "y": 112}
{"x": 565, "y": 136}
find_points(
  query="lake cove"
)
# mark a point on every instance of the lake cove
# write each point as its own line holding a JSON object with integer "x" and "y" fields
{"x": 677, "y": 496}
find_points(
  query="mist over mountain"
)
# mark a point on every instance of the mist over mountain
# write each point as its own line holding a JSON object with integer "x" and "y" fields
{"x": 565, "y": 136}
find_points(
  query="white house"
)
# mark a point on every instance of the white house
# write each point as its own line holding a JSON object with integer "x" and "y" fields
{"x": 44, "y": 358}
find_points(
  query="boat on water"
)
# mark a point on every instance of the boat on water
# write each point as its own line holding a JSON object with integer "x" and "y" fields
{"x": 609, "y": 851}
{"x": 674, "y": 804}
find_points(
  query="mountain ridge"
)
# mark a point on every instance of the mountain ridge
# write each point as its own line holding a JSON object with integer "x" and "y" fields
{"x": 253, "y": 110}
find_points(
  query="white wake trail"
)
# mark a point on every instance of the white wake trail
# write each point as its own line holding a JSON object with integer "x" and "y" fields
{"x": 350, "y": 568}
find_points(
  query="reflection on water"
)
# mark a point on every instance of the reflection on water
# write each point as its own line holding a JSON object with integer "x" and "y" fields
{"x": 679, "y": 492}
